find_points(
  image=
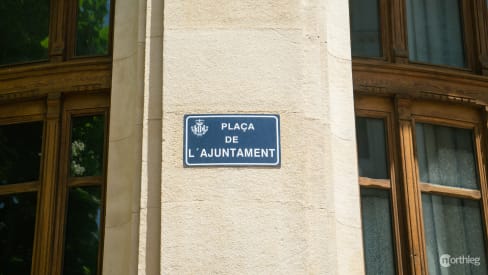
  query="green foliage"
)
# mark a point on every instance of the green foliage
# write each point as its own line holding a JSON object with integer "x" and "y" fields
{"x": 25, "y": 29}
{"x": 82, "y": 231}
{"x": 92, "y": 27}
{"x": 25, "y": 24}
{"x": 87, "y": 146}
{"x": 17, "y": 221}
{"x": 45, "y": 43}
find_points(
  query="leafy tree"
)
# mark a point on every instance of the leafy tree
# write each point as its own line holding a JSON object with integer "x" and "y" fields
{"x": 87, "y": 146}
{"x": 24, "y": 29}
{"x": 92, "y": 27}
{"x": 82, "y": 231}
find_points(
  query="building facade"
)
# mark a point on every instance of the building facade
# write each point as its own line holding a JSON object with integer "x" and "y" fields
{"x": 383, "y": 154}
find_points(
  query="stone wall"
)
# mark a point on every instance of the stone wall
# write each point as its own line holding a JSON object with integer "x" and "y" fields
{"x": 290, "y": 58}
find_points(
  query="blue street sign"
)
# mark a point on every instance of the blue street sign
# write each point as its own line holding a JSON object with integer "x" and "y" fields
{"x": 232, "y": 140}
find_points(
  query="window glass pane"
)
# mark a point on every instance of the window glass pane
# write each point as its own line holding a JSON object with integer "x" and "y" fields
{"x": 92, "y": 27}
{"x": 454, "y": 235}
{"x": 82, "y": 231}
{"x": 20, "y": 152}
{"x": 17, "y": 222}
{"x": 446, "y": 156}
{"x": 435, "y": 32}
{"x": 365, "y": 28}
{"x": 377, "y": 231}
{"x": 371, "y": 140}
{"x": 24, "y": 32}
{"x": 87, "y": 140}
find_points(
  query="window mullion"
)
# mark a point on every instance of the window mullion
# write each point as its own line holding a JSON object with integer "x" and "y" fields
{"x": 411, "y": 192}
{"x": 385, "y": 28}
{"x": 57, "y": 32}
{"x": 470, "y": 27}
{"x": 47, "y": 195}
{"x": 481, "y": 144}
{"x": 399, "y": 32}
{"x": 481, "y": 31}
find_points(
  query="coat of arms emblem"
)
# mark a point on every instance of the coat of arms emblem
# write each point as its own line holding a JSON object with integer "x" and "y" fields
{"x": 199, "y": 129}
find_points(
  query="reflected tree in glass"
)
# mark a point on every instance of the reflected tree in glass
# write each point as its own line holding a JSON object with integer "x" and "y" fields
{"x": 82, "y": 231}
{"x": 20, "y": 152}
{"x": 87, "y": 140}
{"x": 17, "y": 222}
{"x": 92, "y": 27}
{"x": 24, "y": 30}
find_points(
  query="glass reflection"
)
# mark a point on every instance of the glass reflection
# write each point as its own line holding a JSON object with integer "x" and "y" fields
{"x": 82, "y": 231}
{"x": 24, "y": 32}
{"x": 365, "y": 28}
{"x": 87, "y": 139}
{"x": 20, "y": 152}
{"x": 93, "y": 27}
{"x": 377, "y": 231}
{"x": 435, "y": 32}
{"x": 17, "y": 223}
{"x": 453, "y": 229}
{"x": 446, "y": 156}
{"x": 371, "y": 139}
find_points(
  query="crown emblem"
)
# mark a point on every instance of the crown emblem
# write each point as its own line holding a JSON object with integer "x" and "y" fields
{"x": 199, "y": 129}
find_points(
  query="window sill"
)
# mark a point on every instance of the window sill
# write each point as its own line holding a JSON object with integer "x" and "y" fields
{"x": 36, "y": 80}
{"x": 426, "y": 82}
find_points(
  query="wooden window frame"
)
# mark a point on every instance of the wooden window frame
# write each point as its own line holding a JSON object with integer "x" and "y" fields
{"x": 463, "y": 117}
{"x": 54, "y": 180}
{"x": 384, "y": 29}
{"x": 402, "y": 114}
{"x": 74, "y": 107}
{"x": 384, "y": 111}
{"x": 52, "y": 90}
{"x": 393, "y": 20}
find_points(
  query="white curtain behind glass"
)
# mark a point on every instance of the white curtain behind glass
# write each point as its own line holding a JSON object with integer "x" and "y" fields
{"x": 446, "y": 156}
{"x": 365, "y": 28}
{"x": 371, "y": 138}
{"x": 377, "y": 233}
{"x": 434, "y": 32}
{"x": 452, "y": 226}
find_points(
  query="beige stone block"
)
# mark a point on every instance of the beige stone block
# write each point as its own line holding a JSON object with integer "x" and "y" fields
{"x": 126, "y": 29}
{"x": 118, "y": 256}
{"x": 232, "y": 14}
{"x": 149, "y": 240}
{"x": 233, "y": 237}
{"x": 301, "y": 152}
{"x": 121, "y": 180}
{"x": 232, "y": 71}
{"x": 338, "y": 37}
{"x": 125, "y": 102}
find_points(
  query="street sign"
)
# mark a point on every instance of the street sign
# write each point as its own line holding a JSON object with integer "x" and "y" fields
{"x": 231, "y": 140}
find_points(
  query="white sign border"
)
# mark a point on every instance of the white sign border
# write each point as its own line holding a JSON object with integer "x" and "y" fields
{"x": 278, "y": 145}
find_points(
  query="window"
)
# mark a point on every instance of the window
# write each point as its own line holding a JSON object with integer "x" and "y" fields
{"x": 43, "y": 30}
{"x": 436, "y": 207}
{"x": 421, "y": 121}
{"x": 375, "y": 189}
{"x": 365, "y": 28}
{"x": 435, "y": 33}
{"x": 441, "y": 33}
{"x": 27, "y": 38}
{"x": 55, "y": 86}
{"x": 34, "y": 180}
